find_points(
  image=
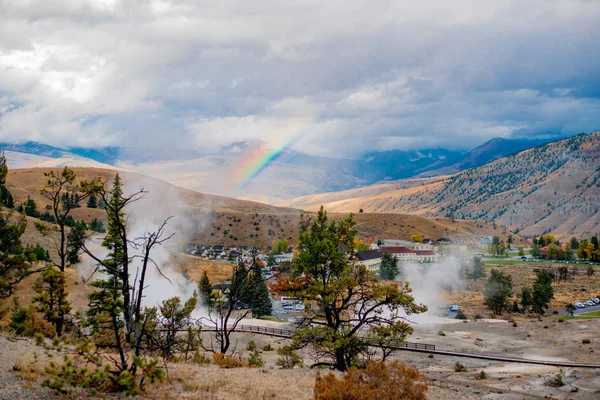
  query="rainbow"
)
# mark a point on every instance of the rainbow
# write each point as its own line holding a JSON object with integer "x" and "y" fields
{"x": 261, "y": 157}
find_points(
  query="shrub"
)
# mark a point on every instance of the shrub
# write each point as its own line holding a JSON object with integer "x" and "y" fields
{"x": 460, "y": 315}
{"x": 267, "y": 347}
{"x": 585, "y": 341}
{"x": 481, "y": 375}
{"x": 561, "y": 320}
{"x": 378, "y": 381}
{"x": 441, "y": 333}
{"x": 26, "y": 322}
{"x": 515, "y": 325}
{"x": 458, "y": 367}
{"x": 251, "y": 346}
{"x": 288, "y": 358}
{"x": 477, "y": 317}
{"x": 255, "y": 360}
{"x": 558, "y": 379}
{"x": 228, "y": 362}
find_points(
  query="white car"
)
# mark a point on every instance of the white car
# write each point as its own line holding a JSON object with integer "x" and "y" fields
{"x": 590, "y": 303}
{"x": 579, "y": 305}
{"x": 596, "y": 300}
{"x": 454, "y": 307}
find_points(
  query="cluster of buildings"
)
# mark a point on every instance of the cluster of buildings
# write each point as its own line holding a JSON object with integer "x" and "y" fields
{"x": 224, "y": 253}
{"x": 404, "y": 251}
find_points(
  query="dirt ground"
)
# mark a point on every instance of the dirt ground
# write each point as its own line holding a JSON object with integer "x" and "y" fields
{"x": 560, "y": 341}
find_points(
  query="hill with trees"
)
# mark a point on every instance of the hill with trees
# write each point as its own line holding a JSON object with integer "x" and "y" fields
{"x": 550, "y": 188}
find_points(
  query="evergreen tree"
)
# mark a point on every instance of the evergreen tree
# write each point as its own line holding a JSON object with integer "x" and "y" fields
{"x": 271, "y": 262}
{"x": 497, "y": 291}
{"x": 6, "y": 199}
{"x": 594, "y": 241}
{"x": 574, "y": 243}
{"x": 526, "y": 297}
{"x": 389, "y": 267}
{"x": 13, "y": 263}
{"x": 477, "y": 268}
{"x": 97, "y": 225}
{"x": 543, "y": 292}
{"x": 92, "y": 202}
{"x": 30, "y": 208}
{"x": 206, "y": 290}
{"x": 51, "y": 300}
{"x": 261, "y": 301}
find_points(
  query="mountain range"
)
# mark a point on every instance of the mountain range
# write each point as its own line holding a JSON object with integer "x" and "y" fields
{"x": 292, "y": 175}
{"x": 554, "y": 187}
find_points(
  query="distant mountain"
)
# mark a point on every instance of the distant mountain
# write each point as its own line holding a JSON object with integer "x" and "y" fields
{"x": 293, "y": 174}
{"x": 397, "y": 164}
{"x": 549, "y": 188}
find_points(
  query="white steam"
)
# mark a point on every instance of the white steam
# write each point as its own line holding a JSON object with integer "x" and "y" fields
{"x": 430, "y": 283}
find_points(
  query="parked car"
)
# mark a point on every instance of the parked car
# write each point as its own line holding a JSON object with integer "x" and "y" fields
{"x": 596, "y": 300}
{"x": 454, "y": 307}
{"x": 579, "y": 305}
{"x": 589, "y": 303}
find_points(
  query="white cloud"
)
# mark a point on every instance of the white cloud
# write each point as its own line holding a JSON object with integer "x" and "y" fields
{"x": 367, "y": 75}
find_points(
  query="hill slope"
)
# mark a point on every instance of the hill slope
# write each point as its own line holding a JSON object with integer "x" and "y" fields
{"x": 550, "y": 188}
{"x": 208, "y": 219}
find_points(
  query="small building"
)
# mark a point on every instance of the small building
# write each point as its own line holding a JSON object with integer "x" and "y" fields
{"x": 370, "y": 259}
{"x": 404, "y": 254}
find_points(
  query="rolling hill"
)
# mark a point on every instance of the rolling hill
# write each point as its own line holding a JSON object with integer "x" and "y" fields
{"x": 209, "y": 219}
{"x": 550, "y": 188}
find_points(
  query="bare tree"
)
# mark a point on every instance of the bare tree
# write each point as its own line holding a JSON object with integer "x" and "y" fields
{"x": 227, "y": 312}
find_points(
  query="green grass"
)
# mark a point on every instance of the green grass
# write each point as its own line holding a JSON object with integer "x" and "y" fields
{"x": 271, "y": 318}
{"x": 590, "y": 315}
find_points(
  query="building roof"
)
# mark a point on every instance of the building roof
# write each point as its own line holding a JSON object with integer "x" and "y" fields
{"x": 368, "y": 255}
{"x": 397, "y": 250}
{"x": 425, "y": 252}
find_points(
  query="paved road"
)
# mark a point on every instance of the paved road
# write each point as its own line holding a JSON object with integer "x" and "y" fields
{"x": 587, "y": 309}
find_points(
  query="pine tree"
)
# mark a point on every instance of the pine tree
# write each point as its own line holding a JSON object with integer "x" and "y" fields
{"x": 497, "y": 291}
{"x": 92, "y": 202}
{"x": 206, "y": 289}
{"x": 261, "y": 301}
{"x": 542, "y": 290}
{"x": 52, "y": 300}
{"x": 389, "y": 267}
{"x": 478, "y": 268}
{"x": 31, "y": 208}
{"x": 526, "y": 297}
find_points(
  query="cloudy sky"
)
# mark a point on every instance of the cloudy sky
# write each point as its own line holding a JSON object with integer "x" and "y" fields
{"x": 344, "y": 76}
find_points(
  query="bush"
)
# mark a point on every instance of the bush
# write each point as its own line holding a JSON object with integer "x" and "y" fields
{"x": 561, "y": 320}
{"x": 481, "y": 375}
{"x": 585, "y": 341}
{"x": 267, "y": 347}
{"x": 458, "y": 367}
{"x": 441, "y": 333}
{"x": 228, "y": 362}
{"x": 288, "y": 358}
{"x": 460, "y": 315}
{"x": 515, "y": 325}
{"x": 26, "y": 322}
{"x": 558, "y": 380}
{"x": 251, "y": 346}
{"x": 255, "y": 360}
{"x": 378, "y": 381}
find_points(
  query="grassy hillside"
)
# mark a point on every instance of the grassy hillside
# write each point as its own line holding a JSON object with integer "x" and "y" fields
{"x": 550, "y": 188}
{"x": 207, "y": 219}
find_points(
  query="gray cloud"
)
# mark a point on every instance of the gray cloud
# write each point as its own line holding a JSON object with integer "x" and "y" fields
{"x": 355, "y": 76}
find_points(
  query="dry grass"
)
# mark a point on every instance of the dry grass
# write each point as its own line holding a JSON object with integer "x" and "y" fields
{"x": 211, "y": 382}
